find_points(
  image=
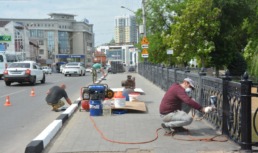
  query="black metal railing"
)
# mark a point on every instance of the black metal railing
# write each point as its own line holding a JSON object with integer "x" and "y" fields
{"x": 233, "y": 115}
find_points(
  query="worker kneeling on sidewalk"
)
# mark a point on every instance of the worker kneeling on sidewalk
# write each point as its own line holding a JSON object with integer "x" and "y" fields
{"x": 54, "y": 96}
{"x": 171, "y": 107}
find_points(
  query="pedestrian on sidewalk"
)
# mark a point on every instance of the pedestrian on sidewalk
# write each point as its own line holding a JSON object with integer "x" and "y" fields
{"x": 171, "y": 106}
{"x": 129, "y": 86}
{"x": 99, "y": 66}
{"x": 54, "y": 96}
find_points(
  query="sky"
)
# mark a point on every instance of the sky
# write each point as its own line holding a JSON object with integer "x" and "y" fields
{"x": 100, "y": 13}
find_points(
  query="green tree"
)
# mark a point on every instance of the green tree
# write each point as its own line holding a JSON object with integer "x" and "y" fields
{"x": 159, "y": 16}
{"x": 193, "y": 31}
{"x": 238, "y": 65}
{"x": 232, "y": 38}
{"x": 251, "y": 49}
{"x": 213, "y": 31}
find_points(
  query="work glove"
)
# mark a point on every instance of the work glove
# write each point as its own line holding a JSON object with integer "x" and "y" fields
{"x": 208, "y": 109}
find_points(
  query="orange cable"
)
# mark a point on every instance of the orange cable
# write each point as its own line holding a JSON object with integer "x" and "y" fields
{"x": 191, "y": 138}
{"x": 114, "y": 141}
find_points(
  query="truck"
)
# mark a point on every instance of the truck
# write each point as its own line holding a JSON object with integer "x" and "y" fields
{"x": 100, "y": 57}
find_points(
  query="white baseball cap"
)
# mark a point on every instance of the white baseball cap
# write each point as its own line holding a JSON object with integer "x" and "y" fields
{"x": 191, "y": 82}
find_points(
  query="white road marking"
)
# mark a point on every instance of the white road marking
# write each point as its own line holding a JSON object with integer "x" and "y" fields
{"x": 12, "y": 93}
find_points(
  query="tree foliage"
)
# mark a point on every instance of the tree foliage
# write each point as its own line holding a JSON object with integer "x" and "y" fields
{"x": 213, "y": 31}
{"x": 251, "y": 49}
{"x": 231, "y": 38}
{"x": 238, "y": 65}
{"x": 193, "y": 31}
{"x": 159, "y": 16}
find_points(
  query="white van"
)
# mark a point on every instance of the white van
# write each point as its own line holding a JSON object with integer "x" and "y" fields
{"x": 3, "y": 64}
{"x": 5, "y": 60}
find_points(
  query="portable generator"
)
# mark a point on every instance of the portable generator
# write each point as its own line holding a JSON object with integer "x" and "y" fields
{"x": 95, "y": 94}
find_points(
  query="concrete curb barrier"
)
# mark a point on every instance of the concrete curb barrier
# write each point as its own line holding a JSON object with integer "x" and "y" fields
{"x": 39, "y": 143}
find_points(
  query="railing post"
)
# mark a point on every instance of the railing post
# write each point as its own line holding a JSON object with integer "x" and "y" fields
{"x": 225, "y": 103}
{"x": 187, "y": 70}
{"x": 175, "y": 74}
{"x": 246, "y": 127}
{"x": 200, "y": 93}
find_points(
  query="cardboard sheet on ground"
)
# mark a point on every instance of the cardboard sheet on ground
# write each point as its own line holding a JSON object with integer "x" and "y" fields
{"x": 138, "y": 106}
{"x": 139, "y": 90}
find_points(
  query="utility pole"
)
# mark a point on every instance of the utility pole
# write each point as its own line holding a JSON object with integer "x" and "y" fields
{"x": 144, "y": 26}
{"x": 144, "y": 18}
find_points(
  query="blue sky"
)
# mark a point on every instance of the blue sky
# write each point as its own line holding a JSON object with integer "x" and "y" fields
{"x": 100, "y": 13}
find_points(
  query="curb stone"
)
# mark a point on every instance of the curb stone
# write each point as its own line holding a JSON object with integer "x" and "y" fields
{"x": 39, "y": 143}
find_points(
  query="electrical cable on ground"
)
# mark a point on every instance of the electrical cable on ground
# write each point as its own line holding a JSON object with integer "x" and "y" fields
{"x": 191, "y": 138}
{"x": 120, "y": 142}
{"x": 213, "y": 138}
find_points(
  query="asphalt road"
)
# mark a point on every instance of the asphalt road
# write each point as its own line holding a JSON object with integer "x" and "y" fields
{"x": 28, "y": 116}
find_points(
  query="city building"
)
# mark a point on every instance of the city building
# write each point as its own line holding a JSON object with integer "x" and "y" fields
{"x": 126, "y": 30}
{"x": 14, "y": 38}
{"x": 60, "y": 38}
{"x": 127, "y": 54}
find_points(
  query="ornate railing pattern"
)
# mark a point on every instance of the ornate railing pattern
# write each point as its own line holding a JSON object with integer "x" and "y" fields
{"x": 233, "y": 114}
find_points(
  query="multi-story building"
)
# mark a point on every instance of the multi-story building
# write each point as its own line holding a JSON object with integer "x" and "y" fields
{"x": 125, "y": 30}
{"x": 60, "y": 38}
{"x": 127, "y": 54}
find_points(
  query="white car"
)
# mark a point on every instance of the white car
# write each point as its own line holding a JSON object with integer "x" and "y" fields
{"x": 47, "y": 69}
{"x": 62, "y": 68}
{"x": 25, "y": 71}
{"x": 89, "y": 70}
{"x": 74, "y": 68}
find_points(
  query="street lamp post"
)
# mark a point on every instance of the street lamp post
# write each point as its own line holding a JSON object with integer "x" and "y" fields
{"x": 128, "y": 9}
{"x": 144, "y": 18}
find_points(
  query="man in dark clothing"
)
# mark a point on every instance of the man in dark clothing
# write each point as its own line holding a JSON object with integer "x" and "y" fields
{"x": 54, "y": 96}
{"x": 171, "y": 106}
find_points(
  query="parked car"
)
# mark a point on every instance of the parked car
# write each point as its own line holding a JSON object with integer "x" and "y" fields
{"x": 74, "y": 68}
{"x": 25, "y": 71}
{"x": 59, "y": 66}
{"x": 47, "y": 70}
{"x": 131, "y": 69}
{"x": 62, "y": 68}
{"x": 88, "y": 70}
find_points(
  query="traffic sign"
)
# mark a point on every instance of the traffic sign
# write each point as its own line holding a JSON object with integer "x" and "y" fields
{"x": 170, "y": 51}
{"x": 145, "y": 46}
{"x": 145, "y": 53}
{"x": 144, "y": 41}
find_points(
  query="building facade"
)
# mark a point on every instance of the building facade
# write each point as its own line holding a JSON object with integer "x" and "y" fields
{"x": 60, "y": 38}
{"x": 127, "y": 54}
{"x": 126, "y": 30}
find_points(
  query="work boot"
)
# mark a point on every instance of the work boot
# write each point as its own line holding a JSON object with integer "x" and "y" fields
{"x": 167, "y": 129}
{"x": 56, "y": 110}
{"x": 180, "y": 129}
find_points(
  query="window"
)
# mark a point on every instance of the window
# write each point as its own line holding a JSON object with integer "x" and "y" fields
{"x": 1, "y": 58}
{"x": 41, "y": 51}
{"x": 34, "y": 66}
{"x": 41, "y": 42}
{"x": 37, "y": 33}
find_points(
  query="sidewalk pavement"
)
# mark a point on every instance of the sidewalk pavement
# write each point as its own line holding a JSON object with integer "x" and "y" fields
{"x": 133, "y": 132}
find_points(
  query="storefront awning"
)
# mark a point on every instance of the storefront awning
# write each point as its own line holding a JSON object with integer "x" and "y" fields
{"x": 69, "y": 56}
